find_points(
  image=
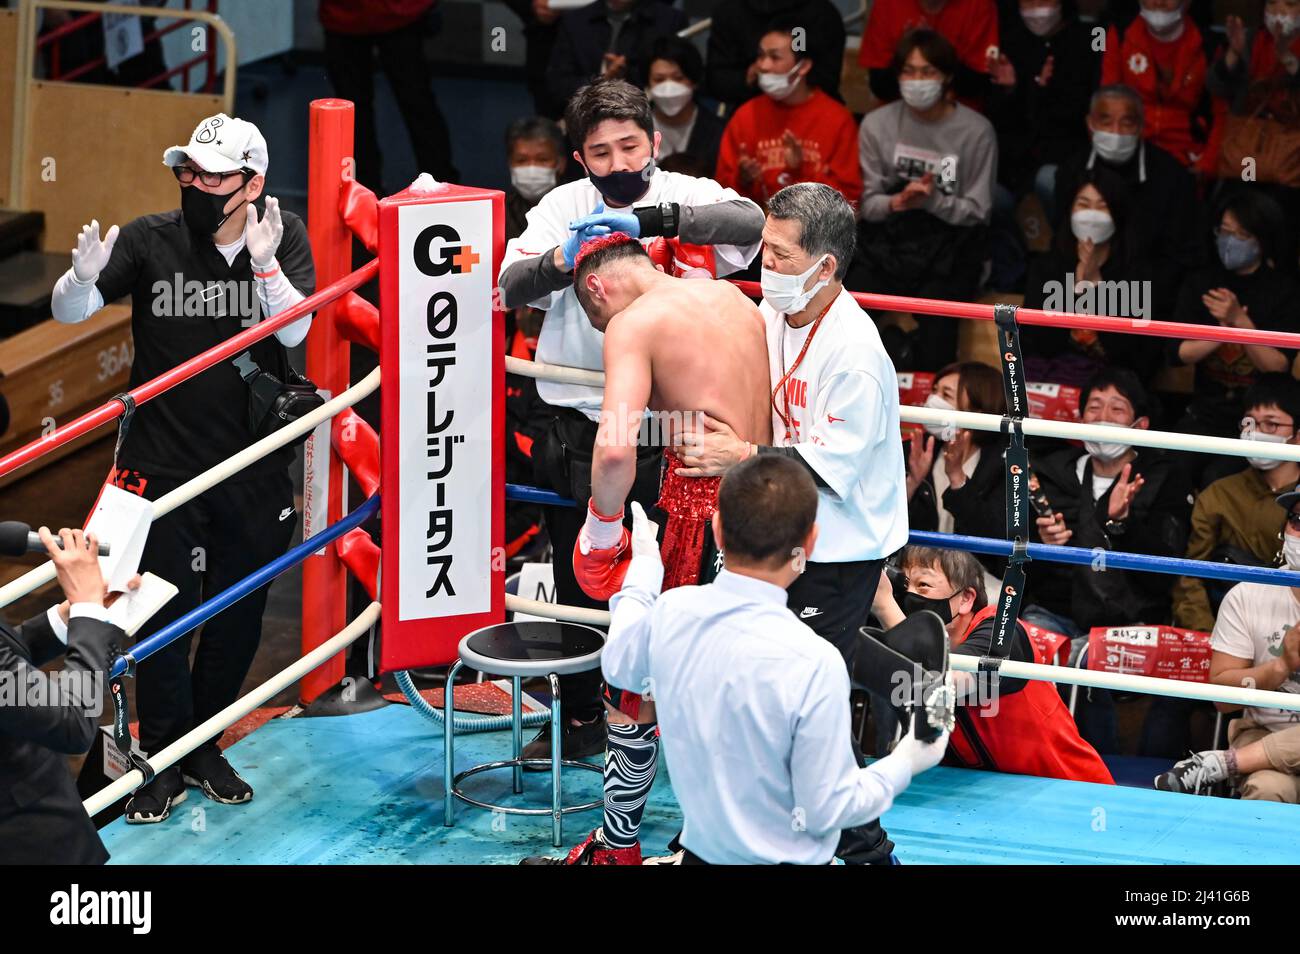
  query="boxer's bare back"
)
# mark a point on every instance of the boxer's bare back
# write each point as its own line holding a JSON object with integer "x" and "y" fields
{"x": 683, "y": 347}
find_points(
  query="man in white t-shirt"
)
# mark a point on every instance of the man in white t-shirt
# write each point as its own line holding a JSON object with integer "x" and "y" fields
{"x": 1256, "y": 645}
{"x": 612, "y": 125}
{"x": 835, "y": 411}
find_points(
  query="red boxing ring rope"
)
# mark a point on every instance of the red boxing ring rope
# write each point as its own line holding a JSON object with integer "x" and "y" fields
{"x": 111, "y": 410}
{"x": 1065, "y": 319}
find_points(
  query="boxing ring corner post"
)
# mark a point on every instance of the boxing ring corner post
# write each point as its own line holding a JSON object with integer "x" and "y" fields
{"x": 324, "y": 578}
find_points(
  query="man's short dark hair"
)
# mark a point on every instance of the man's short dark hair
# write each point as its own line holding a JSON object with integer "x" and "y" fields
{"x": 826, "y": 221}
{"x": 1277, "y": 389}
{"x": 599, "y": 252}
{"x": 936, "y": 49}
{"x": 605, "y": 99}
{"x": 787, "y": 24}
{"x": 535, "y": 129}
{"x": 960, "y": 568}
{"x": 1126, "y": 383}
{"x": 682, "y": 52}
{"x": 766, "y": 505}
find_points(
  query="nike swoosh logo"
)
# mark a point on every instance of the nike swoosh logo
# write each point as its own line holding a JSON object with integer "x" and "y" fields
{"x": 809, "y": 611}
{"x": 284, "y": 514}
{"x": 831, "y": 419}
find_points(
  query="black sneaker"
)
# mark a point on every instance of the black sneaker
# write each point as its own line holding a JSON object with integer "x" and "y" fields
{"x": 207, "y": 770}
{"x": 1202, "y": 774}
{"x": 579, "y": 742}
{"x": 152, "y": 803}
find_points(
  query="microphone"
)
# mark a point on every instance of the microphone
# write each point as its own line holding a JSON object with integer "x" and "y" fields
{"x": 17, "y": 538}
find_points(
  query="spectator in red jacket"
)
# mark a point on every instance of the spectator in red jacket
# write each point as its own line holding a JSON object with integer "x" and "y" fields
{"x": 794, "y": 133}
{"x": 1162, "y": 56}
{"x": 971, "y": 26}
{"x": 1003, "y": 724}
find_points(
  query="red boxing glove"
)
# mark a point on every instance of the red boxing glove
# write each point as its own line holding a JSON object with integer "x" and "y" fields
{"x": 691, "y": 261}
{"x": 600, "y": 570}
{"x": 661, "y": 253}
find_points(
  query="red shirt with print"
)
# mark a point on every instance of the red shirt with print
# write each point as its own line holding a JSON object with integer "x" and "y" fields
{"x": 828, "y": 139}
{"x": 971, "y": 26}
{"x": 1170, "y": 78}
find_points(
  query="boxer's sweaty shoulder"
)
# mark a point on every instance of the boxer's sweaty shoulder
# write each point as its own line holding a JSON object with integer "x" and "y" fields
{"x": 709, "y": 353}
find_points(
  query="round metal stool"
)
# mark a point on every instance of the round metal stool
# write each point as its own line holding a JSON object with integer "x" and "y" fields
{"x": 540, "y": 648}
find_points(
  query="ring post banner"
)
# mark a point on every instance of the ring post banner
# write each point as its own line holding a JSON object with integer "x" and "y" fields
{"x": 442, "y": 354}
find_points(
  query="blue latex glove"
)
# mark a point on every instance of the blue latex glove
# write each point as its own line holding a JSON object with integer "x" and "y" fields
{"x": 612, "y": 221}
{"x": 582, "y": 232}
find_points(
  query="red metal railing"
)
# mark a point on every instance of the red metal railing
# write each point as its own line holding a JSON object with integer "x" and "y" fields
{"x": 53, "y": 39}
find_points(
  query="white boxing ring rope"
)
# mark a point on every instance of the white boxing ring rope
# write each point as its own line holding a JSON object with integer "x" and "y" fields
{"x": 39, "y": 576}
{"x": 235, "y": 711}
{"x": 971, "y": 420}
{"x": 1149, "y": 685}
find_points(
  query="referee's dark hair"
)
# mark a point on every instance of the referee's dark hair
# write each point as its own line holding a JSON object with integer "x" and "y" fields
{"x": 766, "y": 505}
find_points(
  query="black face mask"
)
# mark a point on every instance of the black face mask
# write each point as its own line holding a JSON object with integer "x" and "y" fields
{"x": 624, "y": 188}
{"x": 915, "y": 602}
{"x": 203, "y": 211}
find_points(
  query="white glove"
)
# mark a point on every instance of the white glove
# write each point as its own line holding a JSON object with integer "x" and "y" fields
{"x": 920, "y": 755}
{"x": 263, "y": 238}
{"x": 91, "y": 255}
{"x": 645, "y": 534}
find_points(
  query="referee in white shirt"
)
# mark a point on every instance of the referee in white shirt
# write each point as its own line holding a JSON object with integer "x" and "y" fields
{"x": 733, "y": 670}
{"x": 835, "y": 411}
{"x": 612, "y": 125}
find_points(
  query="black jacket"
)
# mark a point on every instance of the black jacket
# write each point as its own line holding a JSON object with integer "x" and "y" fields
{"x": 738, "y": 25}
{"x": 1094, "y": 595}
{"x": 41, "y": 817}
{"x": 1042, "y": 124}
{"x": 1170, "y": 221}
{"x": 583, "y": 41}
{"x": 978, "y": 508}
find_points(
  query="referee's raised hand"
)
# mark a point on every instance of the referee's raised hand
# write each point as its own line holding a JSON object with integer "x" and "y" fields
{"x": 92, "y": 254}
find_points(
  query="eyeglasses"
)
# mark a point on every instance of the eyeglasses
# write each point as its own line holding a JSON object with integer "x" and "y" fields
{"x": 187, "y": 174}
{"x": 1220, "y": 232}
{"x": 1266, "y": 427}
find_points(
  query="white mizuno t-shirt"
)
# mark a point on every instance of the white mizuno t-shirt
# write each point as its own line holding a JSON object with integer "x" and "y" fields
{"x": 567, "y": 336}
{"x": 843, "y": 413}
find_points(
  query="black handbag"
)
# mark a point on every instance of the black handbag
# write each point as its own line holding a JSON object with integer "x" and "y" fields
{"x": 274, "y": 403}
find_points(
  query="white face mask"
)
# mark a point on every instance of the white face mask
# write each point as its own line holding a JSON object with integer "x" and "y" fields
{"x": 785, "y": 293}
{"x": 1115, "y": 147}
{"x": 944, "y": 432}
{"x": 921, "y": 94}
{"x": 670, "y": 96}
{"x": 778, "y": 85}
{"x": 532, "y": 182}
{"x": 1281, "y": 24}
{"x": 1041, "y": 20}
{"x": 1106, "y": 451}
{"x": 1162, "y": 22}
{"x": 1291, "y": 551}
{"x": 1092, "y": 224}
{"x": 1262, "y": 463}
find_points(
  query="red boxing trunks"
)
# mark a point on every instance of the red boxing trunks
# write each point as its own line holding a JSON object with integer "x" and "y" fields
{"x": 688, "y": 503}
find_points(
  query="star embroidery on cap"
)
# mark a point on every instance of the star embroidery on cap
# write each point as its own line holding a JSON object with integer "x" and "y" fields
{"x": 1137, "y": 63}
{"x": 218, "y": 142}
{"x": 244, "y": 156}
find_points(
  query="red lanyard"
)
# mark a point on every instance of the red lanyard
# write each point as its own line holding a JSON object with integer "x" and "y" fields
{"x": 780, "y": 385}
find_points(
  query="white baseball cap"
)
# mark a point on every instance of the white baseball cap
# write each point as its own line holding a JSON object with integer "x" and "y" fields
{"x": 222, "y": 144}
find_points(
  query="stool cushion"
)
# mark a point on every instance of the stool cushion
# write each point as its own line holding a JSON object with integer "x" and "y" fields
{"x": 533, "y": 648}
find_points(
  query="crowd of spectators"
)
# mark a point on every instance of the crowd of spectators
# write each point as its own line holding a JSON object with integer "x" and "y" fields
{"x": 1076, "y": 155}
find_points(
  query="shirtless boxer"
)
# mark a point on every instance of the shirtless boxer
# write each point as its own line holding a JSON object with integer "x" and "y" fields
{"x": 684, "y": 348}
